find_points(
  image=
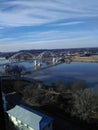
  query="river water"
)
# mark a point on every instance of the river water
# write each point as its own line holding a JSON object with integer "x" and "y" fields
{"x": 72, "y": 72}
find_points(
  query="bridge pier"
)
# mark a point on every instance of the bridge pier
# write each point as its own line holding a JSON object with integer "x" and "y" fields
{"x": 36, "y": 63}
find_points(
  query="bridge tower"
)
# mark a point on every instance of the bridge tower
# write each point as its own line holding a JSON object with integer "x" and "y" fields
{"x": 35, "y": 63}
{"x": 54, "y": 60}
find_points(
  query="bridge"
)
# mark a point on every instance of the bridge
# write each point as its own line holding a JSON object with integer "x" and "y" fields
{"x": 44, "y": 57}
{"x": 22, "y": 56}
{"x": 43, "y": 60}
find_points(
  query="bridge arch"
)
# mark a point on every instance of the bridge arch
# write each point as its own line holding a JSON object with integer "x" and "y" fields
{"x": 22, "y": 56}
{"x": 46, "y": 56}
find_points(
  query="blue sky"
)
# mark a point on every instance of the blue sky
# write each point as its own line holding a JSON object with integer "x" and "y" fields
{"x": 48, "y": 24}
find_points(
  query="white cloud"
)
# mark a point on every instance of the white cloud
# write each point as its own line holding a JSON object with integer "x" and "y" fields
{"x": 54, "y": 34}
{"x": 46, "y": 35}
{"x": 68, "y": 23}
{"x": 49, "y": 44}
{"x": 17, "y": 13}
{"x": 26, "y": 13}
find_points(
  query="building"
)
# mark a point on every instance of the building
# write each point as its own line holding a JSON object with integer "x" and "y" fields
{"x": 25, "y": 118}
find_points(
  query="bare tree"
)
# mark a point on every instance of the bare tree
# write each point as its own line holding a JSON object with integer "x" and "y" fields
{"x": 60, "y": 86}
{"x": 83, "y": 104}
{"x": 14, "y": 70}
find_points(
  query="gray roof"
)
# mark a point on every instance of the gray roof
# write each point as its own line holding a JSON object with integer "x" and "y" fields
{"x": 30, "y": 117}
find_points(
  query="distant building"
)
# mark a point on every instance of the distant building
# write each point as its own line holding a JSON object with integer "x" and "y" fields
{"x": 25, "y": 118}
{"x": 2, "y": 58}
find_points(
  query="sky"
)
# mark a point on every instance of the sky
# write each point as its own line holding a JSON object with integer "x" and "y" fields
{"x": 48, "y": 24}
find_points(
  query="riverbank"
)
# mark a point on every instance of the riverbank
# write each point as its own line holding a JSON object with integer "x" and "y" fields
{"x": 39, "y": 69}
{"x": 93, "y": 59}
{"x": 38, "y": 98}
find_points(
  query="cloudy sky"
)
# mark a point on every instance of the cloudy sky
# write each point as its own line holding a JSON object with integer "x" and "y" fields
{"x": 40, "y": 24}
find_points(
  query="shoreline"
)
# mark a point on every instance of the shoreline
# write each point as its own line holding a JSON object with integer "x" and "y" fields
{"x": 39, "y": 69}
{"x": 91, "y": 59}
{"x": 85, "y": 59}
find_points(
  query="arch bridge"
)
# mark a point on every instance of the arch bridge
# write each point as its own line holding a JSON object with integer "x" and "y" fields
{"x": 46, "y": 56}
{"x": 22, "y": 56}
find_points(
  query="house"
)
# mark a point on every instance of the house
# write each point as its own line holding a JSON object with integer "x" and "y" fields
{"x": 25, "y": 118}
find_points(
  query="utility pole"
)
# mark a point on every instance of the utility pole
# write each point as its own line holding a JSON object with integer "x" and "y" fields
{"x": 2, "y": 115}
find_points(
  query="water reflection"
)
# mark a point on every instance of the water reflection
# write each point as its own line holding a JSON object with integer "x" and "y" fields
{"x": 87, "y": 72}
{"x": 64, "y": 72}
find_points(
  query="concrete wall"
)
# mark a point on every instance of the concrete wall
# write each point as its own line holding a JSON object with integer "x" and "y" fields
{"x": 19, "y": 123}
{"x": 48, "y": 127}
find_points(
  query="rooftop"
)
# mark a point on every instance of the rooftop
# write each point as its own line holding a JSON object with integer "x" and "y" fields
{"x": 30, "y": 117}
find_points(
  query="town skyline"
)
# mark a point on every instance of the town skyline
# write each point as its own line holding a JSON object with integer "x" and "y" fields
{"x": 48, "y": 24}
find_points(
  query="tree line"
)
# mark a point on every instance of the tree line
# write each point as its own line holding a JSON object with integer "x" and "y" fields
{"x": 76, "y": 99}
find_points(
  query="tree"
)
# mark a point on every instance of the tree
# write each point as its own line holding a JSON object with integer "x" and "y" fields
{"x": 14, "y": 70}
{"x": 83, "y": 104}
{"x": 60, "y": 86}
{"x": 74, "y": 86}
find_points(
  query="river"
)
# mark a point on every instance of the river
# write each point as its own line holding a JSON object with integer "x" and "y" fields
{"x": 72, "y": 72}
{"x": 75, "y": 71}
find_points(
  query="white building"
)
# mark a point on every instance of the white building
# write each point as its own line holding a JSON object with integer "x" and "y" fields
{"x": 25, "y": 118}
